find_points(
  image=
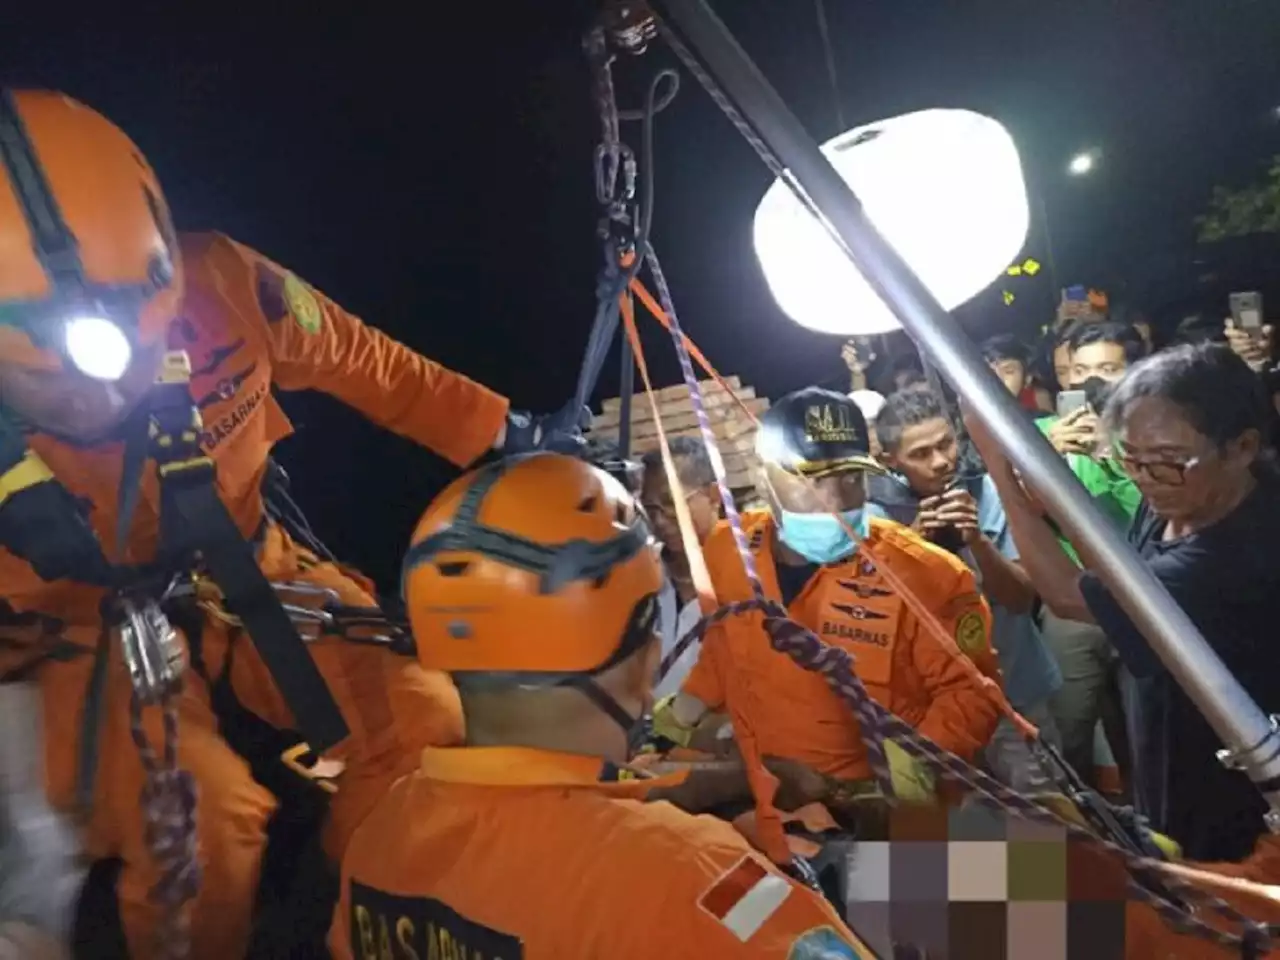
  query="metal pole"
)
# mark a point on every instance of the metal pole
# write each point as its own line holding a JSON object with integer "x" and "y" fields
{"x": 1225, "y": 704}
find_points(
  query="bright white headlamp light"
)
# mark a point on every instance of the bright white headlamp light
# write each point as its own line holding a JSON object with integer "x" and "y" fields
{"x": 98, "y": 348}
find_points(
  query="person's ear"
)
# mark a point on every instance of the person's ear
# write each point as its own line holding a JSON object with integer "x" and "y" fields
{"x": 1246, "y": 447}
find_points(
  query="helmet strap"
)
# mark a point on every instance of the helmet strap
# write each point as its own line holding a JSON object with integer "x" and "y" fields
{"x": 635, "y": 728}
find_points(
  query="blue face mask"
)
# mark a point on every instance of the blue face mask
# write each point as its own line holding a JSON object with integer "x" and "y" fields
{"x": 820, "y": 537}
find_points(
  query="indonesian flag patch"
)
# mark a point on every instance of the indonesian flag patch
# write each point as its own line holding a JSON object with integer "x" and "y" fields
{"x": 745, "y": 897}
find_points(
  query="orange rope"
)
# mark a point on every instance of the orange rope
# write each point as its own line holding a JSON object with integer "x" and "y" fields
{"x": 769, "y": 830}
{"x": 692, "y": 548}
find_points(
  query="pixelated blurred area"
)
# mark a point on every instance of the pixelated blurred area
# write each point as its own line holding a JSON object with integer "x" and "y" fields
{"x": 974, "y": 883}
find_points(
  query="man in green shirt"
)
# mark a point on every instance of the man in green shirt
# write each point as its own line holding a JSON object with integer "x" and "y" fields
{"x": 1100, "y": 353}
{"x": 1112, "y": 490}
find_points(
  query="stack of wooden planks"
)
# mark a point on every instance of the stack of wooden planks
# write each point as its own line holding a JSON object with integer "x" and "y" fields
{"x": 735, "y": 432}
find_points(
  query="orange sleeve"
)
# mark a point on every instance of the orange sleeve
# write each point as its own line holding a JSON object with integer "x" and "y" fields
{"x": 706, "y": 680}
{"x": 961, "y": 716}
{"x": 802, "y": 925}
{"x": 715, "y": 897}
{"x": 966, "y": 617}
{"x": 317, "y": 345}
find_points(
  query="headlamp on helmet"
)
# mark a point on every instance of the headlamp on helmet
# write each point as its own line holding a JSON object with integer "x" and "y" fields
{"x": 97, "y": 347}
{"x": 102, "y": 245}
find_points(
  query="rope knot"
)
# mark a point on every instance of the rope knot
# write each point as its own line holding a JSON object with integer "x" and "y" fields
{"x": 168, "y": 804}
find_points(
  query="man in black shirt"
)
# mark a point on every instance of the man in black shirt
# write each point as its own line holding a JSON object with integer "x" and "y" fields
{"x": 1189, "y": 426}
{"x": 1226, "y": 579}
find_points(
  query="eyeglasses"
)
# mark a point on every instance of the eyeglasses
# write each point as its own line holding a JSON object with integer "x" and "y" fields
{"x": 1171, "y": 473}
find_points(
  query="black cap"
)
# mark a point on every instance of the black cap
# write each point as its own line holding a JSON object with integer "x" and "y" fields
{"x": 815, "y": 432}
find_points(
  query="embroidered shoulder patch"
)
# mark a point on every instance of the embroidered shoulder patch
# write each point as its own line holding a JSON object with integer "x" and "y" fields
{"x": 971, "y": 633}
{"x": 302, "y": 304}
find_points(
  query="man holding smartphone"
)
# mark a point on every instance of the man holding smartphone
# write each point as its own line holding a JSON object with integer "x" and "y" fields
{"x": 1098, "y": 355}
{"x": 1247, "y": 332}
{"x": 918, "y": 443}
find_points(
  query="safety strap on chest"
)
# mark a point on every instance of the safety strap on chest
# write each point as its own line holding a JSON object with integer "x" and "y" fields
{"x": 41, "y": 522}
{"x": 197, "y": 531}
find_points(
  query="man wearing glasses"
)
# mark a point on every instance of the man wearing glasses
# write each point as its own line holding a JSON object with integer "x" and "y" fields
{"x": 1190, "y": 427}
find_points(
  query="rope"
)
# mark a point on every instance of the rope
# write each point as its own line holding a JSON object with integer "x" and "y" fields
{"x": 624, "y": 221}
{"x": 829, "y": 54}
{"x": 168, "y": 804}
{"x": 836, "y": 666}
{"x": 698, "y": 572}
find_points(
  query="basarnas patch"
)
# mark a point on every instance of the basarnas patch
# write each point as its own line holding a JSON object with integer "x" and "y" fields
{"x": 971, "y": 632}
{"x": 823, "y": 943}
{"x": 302, "y": 304}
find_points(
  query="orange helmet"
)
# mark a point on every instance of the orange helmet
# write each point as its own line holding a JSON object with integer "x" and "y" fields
{"x": 91, "y": 265}
{"x": 532, "y": 570}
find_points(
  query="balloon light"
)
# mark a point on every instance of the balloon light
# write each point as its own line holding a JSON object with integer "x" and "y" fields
{"x": 944, "y": 187}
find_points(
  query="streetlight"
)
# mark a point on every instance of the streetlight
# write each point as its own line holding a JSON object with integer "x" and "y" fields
{"x": 1080, "y": 164}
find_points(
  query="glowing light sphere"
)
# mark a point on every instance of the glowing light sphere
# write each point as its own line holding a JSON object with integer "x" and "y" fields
{"x": 944, "y": 187}
{"x": 1081, "y": 164}
{"x": 97, "y": 347}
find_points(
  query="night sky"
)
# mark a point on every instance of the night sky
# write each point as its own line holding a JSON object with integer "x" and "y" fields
{"x": 435, "y": 176}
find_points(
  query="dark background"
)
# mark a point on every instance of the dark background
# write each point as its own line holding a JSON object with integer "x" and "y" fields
{"x": 433, "y": 172}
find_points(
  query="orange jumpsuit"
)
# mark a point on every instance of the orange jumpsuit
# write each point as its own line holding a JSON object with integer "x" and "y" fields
{"x": 519, "y": 854}
{"x": 793, "y": 712}
{"x": 248, "y": 325}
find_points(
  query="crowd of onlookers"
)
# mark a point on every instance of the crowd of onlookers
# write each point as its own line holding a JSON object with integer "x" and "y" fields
{"x": 1172, "y": 438}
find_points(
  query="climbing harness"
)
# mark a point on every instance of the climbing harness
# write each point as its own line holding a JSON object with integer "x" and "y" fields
{"x": 42, "y": 523}
{"x": 1178, "y": 902}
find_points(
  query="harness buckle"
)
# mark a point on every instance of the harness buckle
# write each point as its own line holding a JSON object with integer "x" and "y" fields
{"x": 322, "y": 772}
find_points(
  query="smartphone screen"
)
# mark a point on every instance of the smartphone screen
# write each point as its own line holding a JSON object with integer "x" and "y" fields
{"x": 1246, "y": 310}
{"x": 1069, "y": 401}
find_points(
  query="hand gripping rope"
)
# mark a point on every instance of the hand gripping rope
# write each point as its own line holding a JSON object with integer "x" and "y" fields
{"x": 1148, "y": 880}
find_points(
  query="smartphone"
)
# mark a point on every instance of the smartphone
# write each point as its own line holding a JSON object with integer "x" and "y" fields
{"x": 1069, "y": 401}
{"x": 1246, "y": 310}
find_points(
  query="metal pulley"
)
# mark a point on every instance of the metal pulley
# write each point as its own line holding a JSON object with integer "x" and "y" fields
{"x": 152, "y": 650}
{"x": 630, "y": 25}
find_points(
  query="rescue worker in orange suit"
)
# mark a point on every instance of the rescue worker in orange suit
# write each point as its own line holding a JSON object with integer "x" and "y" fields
{"x": 96, "y": 287}
{"x": 534, "y": 583}
{"x": 814, "y": 451}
